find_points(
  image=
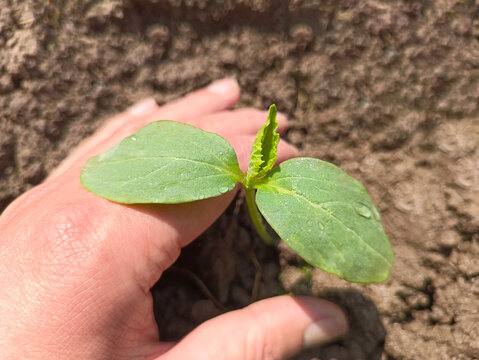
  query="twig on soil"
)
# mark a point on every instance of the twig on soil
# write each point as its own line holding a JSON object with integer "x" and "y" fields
{"x": 201, "y": 285}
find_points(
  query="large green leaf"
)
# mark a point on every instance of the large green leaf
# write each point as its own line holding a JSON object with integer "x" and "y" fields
{"x": 328, "y": 218}
{"x": 164, "y": 162}
{"x": 263, "y": 152}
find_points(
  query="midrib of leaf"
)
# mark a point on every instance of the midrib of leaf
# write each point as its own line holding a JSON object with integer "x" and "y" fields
{"x": 193, "y": 179}
{"x": 195, "y": 144}
{"x": 319, "y": 254}
{"x": 209, "y": 151}
{"x": 288, "y": 192}
{"x": 267, "y": 181}
{"x": 105, "y": 162}
{"x": 328, "y": 213}
{"x": 267, "y": 147}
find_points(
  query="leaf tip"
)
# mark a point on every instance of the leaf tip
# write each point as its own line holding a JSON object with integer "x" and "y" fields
{"x": 264, "y": 150}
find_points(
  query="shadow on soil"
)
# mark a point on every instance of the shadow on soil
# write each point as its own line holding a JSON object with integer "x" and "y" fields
{"x": 366, "y": 336}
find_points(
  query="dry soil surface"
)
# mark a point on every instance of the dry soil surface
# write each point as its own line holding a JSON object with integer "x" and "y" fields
{"x": 387, "y": 90}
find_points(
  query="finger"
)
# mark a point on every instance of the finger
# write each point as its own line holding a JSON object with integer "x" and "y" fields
{"x": 274, "y": 328}
{"x": 218, "y": 96}
{"x": 138, "y": 111}
{"x": 238, "y": 122}
{"x": 226, "y": 124}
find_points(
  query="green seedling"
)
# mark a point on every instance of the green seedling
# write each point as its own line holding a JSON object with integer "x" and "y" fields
{"x": 322, "y": 213}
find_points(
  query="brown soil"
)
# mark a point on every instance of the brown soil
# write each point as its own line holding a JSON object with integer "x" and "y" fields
{"x": 387, "y": 90}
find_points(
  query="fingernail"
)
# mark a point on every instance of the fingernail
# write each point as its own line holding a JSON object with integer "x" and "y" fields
{"x": 143, "y": 107}
{"x": 324, "y": 330}
{"x": 223, "y": 86}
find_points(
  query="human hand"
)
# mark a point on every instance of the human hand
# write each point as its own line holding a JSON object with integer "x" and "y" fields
{"x": 76, "y": 269}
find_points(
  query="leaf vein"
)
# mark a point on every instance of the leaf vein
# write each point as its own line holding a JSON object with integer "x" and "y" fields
{"x": 330, "y": 214}
{"x": 172, "y": 158}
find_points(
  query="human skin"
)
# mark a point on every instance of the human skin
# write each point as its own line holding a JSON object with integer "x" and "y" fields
{"x": 76, "y": 269}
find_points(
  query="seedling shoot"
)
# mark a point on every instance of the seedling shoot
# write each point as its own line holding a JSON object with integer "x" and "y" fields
{"x": 321, "y": 212}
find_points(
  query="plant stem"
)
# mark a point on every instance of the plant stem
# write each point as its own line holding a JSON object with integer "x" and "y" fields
{"x": 256, "y": 217}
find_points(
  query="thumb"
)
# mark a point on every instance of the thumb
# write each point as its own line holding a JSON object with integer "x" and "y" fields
{"x": 270, "y": 329}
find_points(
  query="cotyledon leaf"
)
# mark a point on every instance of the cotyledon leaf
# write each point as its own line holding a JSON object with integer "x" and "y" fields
{"x": 328, "y": 218}
{"x": 164, "y": 162}
{"x": 264, "y": 149}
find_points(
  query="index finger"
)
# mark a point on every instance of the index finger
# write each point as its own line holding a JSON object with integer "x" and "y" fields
{"x": 218, "y": 96}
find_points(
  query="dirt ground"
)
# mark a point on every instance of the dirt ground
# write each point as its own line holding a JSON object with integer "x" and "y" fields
{"x": 387, "y": 90}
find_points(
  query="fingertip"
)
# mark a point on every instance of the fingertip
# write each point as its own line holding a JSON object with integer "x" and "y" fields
{"x": 226, "y": 90}
{"x": 143, "y": 107}
{"x": 222, "y": 87}
{"x": 328, "y": 321}
{"x": 220, "y": 95}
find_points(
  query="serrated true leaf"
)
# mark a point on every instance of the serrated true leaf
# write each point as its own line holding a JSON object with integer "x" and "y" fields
{"x": 328, "y": 218}
{"x": 264, "y": 150}
{"x": 164, "y": 162}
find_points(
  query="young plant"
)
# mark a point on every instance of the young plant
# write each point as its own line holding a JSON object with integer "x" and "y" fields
{"x": 322, "y": 213}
